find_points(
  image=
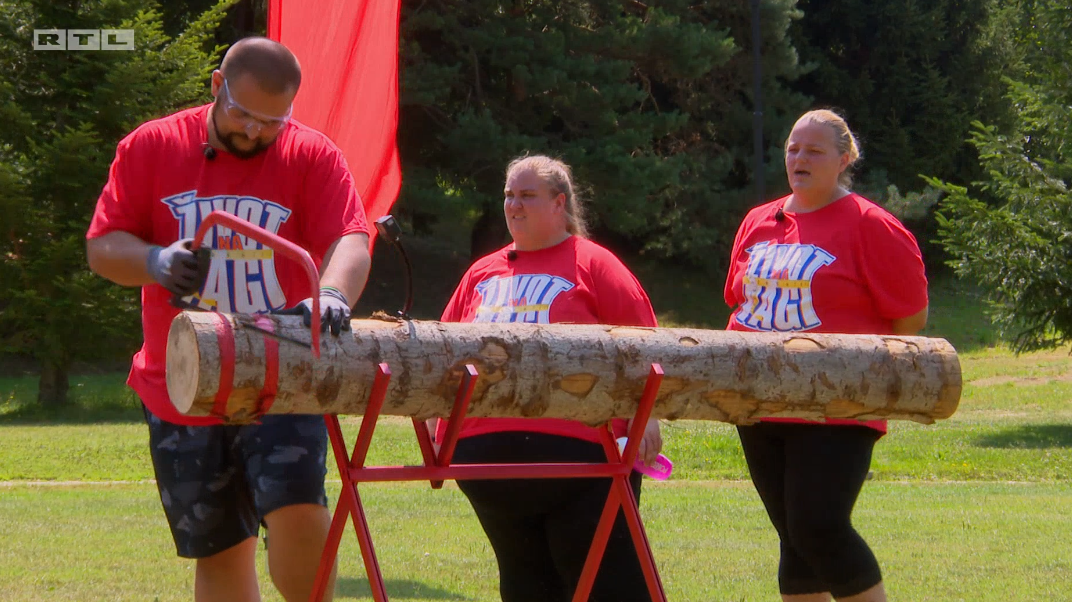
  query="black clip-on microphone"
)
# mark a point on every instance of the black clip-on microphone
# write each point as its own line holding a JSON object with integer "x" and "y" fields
{"x": 389, "y": 230}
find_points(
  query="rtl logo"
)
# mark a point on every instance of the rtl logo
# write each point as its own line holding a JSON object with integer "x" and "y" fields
{"x": 83, "y": 39}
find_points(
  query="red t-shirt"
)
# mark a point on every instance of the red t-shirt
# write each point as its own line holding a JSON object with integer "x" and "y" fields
{"x": 848, "y": 268}
{"x": 161, "y": 186}
{"x": 575, "y": 281}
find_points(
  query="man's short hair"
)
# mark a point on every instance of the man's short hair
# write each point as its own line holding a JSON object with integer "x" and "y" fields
{"x": 269, "y": 63}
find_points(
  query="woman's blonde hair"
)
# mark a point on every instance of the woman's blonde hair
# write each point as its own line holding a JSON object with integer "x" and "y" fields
{"x": 559, "y": 179}
{"x": 846, "y": 140}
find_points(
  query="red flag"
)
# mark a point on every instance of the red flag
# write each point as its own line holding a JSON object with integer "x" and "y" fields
{"x": 348, "y": 50}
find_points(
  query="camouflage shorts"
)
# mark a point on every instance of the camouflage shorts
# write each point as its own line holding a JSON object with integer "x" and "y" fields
{"x": 218, "y": 482}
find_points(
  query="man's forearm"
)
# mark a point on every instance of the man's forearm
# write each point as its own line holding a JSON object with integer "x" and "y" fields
{"x": 346, "y": 266}
{"x": 120, "y": 257}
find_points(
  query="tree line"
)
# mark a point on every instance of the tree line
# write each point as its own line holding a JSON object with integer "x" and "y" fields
{"x": 651, "y": 103}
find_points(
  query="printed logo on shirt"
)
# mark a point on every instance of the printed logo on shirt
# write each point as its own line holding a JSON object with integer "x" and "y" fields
{"x": 522, "y": 298}
{"x": 777, "y": 287}
{"x": 242, "y": 276}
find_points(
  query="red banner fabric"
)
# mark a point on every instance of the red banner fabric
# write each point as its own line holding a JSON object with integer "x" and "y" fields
{"x": 348, "y": 50}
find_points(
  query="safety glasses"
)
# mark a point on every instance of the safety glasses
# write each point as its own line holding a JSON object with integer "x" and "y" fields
{"x": 252, "y": 121}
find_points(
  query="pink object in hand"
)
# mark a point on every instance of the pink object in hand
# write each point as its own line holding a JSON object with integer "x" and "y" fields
{"x": 658, "y": 471}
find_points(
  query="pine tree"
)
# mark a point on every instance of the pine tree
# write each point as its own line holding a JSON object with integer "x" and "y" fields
{"x": 1012, "y": 230}
{"x": 63, "y": 114}
{"x": 649, "y": 103}
{"x": 910, "y": 77}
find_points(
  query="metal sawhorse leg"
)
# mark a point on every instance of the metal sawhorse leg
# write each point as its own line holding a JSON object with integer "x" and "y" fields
{"x": 437, "y": 468}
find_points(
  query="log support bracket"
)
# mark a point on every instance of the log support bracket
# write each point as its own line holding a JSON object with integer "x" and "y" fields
{"x": 437, "y": 468}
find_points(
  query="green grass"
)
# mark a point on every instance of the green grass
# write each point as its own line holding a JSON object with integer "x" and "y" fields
{"x": 948, "y": 542}
{"x": 682, "y": 297}
{"x": 977, "y": 507}
{"x": 95, "y": 398}
{"x": 957, "y": 314}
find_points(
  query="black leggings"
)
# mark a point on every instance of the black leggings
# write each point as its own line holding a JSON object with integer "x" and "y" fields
{"x": 808, "y": 476}
{"x": 541, "y": 529}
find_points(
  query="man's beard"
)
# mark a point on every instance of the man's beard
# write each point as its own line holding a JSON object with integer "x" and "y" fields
{"x": 228, "y": 140}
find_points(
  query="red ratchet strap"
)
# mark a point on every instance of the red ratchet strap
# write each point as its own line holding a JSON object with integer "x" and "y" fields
{"x": 271, "y": 368}
{"x": 225, "y": 340}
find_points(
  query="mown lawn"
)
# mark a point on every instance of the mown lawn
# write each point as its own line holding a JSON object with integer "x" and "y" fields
{"x": 974, "y": 541}
{"x": 977, "y": 507}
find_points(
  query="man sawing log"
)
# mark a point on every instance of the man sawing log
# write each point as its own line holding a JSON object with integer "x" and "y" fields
{"x": 590, "y": 373}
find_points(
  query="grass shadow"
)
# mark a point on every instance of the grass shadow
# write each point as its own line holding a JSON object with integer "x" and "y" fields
{"x": 958, "y": 314}
{"x": 1029, "y": 436}
{"x": 74, "y": 413}
{"x": 400, "y": 589}
{"x": 682, "y": 296}
{"x": 93, "y": 398}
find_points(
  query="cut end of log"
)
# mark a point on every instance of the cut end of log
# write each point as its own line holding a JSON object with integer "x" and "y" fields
{"x": 183, "y": 362}
{"x": 952, "y": 385}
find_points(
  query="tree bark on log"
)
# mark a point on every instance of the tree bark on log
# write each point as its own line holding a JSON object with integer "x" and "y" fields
{"x": 590, "y": 373}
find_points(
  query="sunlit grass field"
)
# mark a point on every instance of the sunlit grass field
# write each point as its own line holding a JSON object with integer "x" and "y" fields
{"x": 977, "y": 507}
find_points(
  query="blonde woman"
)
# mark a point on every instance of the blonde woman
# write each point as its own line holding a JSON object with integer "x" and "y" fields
{"x": 822, "y": 259}
{"x": 541, "y": 529}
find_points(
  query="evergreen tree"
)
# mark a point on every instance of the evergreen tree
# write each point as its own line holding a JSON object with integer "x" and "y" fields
{"x": 63, "y": 114}
{"x": 651, "y": 105}
{"x": 1012, "y": 231}
{"x": 244, "y": 18}
{"x": 910, "y": 77}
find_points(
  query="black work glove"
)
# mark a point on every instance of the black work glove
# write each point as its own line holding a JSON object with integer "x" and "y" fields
{"x": 334, "y": 311}
{"x": 175, "y": 267}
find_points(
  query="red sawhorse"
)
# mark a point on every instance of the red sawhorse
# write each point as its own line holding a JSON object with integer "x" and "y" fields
{"x": 437, "y": 468}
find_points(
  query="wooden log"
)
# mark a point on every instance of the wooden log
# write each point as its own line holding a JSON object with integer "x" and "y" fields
{"x": 589, "y": 373}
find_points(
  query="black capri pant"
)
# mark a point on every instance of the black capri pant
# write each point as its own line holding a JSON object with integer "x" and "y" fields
{"x": 809, "y": 476}
{"x": 541, "y": 529}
